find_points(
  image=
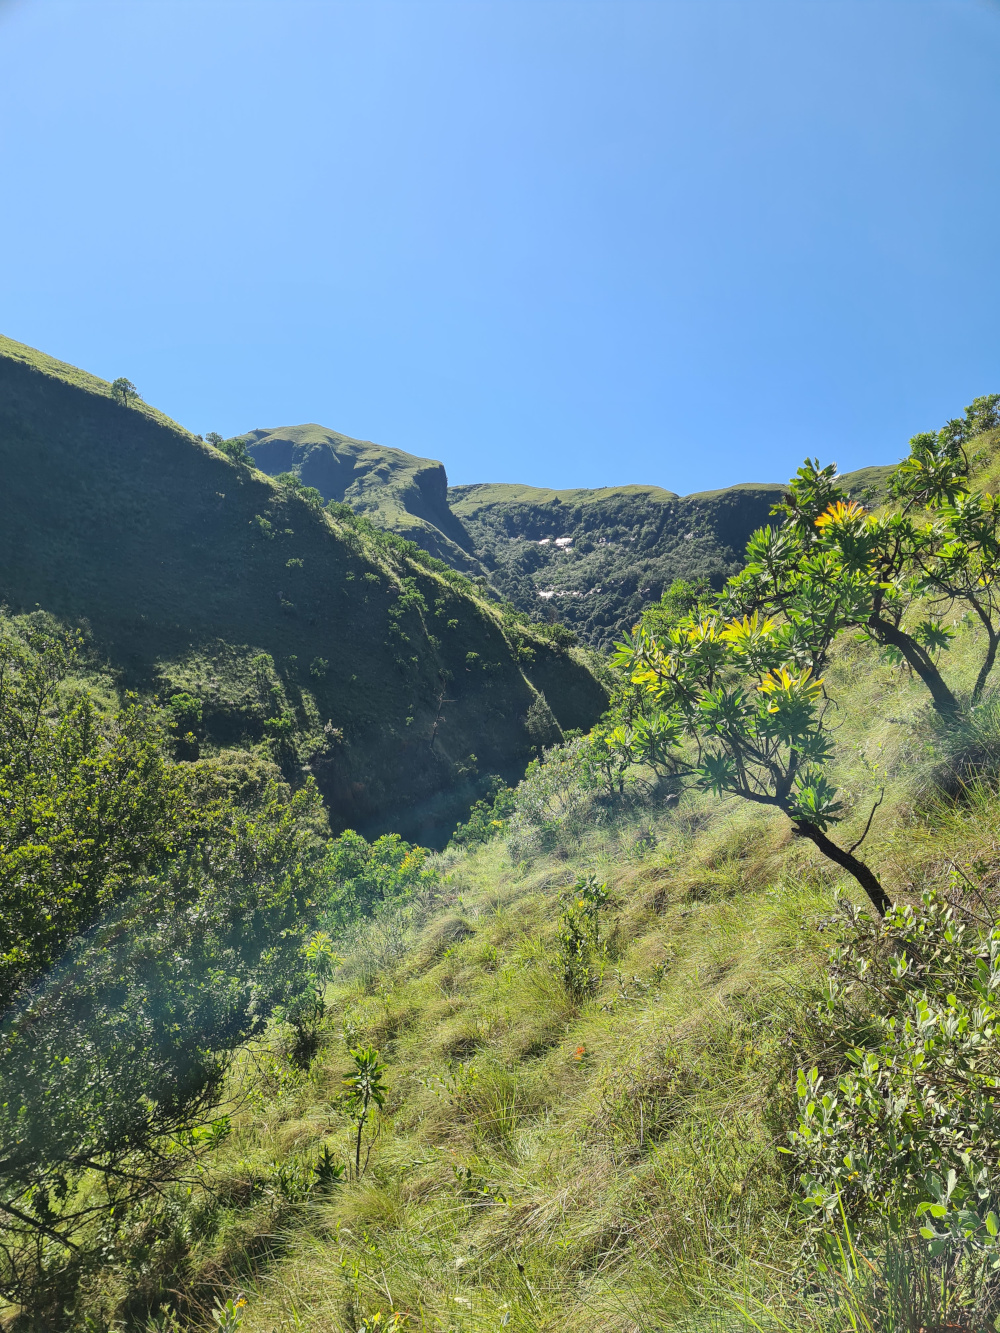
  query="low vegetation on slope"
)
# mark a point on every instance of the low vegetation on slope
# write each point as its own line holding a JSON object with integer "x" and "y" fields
{"x": 589, "y": 559}
{"x": 592, "y": 559}
{"x": 587, "y": 1032}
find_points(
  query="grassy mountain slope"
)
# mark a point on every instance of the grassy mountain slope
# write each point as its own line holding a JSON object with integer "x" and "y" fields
{"x": 588, "y": 558}
{"x": 395, "y": 490}
{"x": 390, "y": 682}
{"x": 555, "y": 1155}
{"x": 549, "y": 1163}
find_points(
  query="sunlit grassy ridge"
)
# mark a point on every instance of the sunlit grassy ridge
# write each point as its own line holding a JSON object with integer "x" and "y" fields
{"x": 395, "y": 490}
{"x": 80, "y": 379}
{"x": 549, "y": 1163}
{"x": 589, "y": 557}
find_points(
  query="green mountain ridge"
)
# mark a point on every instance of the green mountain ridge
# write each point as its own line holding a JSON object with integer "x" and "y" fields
{"x": 595, "y": 558}
{"x": 589, "y": 558}
{"x": 390, "y": 682}
{"x": 395, "y": 490}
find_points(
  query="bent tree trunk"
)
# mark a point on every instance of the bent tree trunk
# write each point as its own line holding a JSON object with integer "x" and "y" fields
{"x": 992, "y": 642}
{"x": 919, "y": 659}
{"x": 865, "y": 876}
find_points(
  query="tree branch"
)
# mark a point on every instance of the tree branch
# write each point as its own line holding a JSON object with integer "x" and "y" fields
{"x": 864, "y": 875}
{"x": 855, "y": 845}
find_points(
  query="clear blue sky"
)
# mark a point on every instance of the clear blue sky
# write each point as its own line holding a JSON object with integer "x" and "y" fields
{"x": 563, "y": 242}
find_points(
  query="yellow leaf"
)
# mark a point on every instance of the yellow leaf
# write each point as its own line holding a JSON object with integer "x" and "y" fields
{"x": 840, "y": 513}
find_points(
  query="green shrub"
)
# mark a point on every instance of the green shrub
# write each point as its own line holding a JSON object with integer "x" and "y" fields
{"x": 308, "y": 493}
{"x": 185, "y": 713}
{"x": 488, "y": 818}
{"x": 235, "y": 449}
{"x": 679, "y": 600}
{"x": 906, "y": 1128}
{"x": 363, "y": 877}
{"x": 365, "y": 1092}
{"x": 123, "y": 391}
{"x": 583, "y": 954}
{"x": 149, "y": 925}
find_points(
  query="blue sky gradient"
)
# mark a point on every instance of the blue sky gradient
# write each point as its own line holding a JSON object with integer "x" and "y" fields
{"x": 562, "y": 242}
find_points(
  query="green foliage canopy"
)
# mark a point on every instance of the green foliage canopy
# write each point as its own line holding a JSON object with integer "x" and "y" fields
{"x": 235, "y": 449}
{"x": 747, "y": 696}
{"x": 363, "y": 876}
{"x": 87, "y": 804}
{"x": 740, "y": 678}
{"x": 122, "y": 390}
{"x": 488, "y": 818}
{"x": 905, "y": 1129}
{"x": 150, "y": 924}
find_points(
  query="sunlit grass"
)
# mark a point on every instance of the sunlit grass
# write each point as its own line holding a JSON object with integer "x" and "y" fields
{"x": 549, "y": 1164}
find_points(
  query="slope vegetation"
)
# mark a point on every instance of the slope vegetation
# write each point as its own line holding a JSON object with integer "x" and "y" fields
{"x": 593, "y": 559}
{"x": 545, "y": 1079}
{"x": 267, "y": 621}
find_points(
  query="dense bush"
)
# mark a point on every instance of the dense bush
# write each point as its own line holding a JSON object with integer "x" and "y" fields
{"x": 488, "y": 818}
{"x": 551, "y": 800}
{"x": 235, "y": 449}
{"x": 904, "y": 1130}
{"x": 149, "y": 924}
{"x": 363, "y": 877}
{"x": 153, "y": 916}
{"x": 308, "y": 493}
{"x": 88, "y": 803}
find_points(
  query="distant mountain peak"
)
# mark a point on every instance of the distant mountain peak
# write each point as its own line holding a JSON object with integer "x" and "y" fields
{"x": 396, "y": 490}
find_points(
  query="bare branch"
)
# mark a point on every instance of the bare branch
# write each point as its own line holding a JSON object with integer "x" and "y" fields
{"x": 855, "y": 845}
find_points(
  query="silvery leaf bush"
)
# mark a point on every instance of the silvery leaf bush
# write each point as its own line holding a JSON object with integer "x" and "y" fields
{"x": 906, "y": 1132}
{"x": 550, "y": 799}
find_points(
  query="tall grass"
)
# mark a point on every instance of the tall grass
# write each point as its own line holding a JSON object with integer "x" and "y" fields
{"x": 549, "y": 1162}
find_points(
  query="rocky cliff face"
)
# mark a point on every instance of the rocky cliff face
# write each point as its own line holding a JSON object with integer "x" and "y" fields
{"x": 593, "y": 559}
{"x": 588, "y": 558}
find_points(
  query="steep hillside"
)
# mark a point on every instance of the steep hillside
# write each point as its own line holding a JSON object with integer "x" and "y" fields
{"x": 267, "y": 620}
{"x": 607, "y": 1161}
{"x": 395, "y": 490}
{"x": 590, "y": 559}
{"x": 640, "y": 1049}
{"x": 597, "y": 557}
{"x": 593, "y": 558}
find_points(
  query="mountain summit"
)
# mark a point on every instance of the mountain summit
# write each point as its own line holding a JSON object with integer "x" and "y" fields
{"x": 588, "y": 558}
{"x": 395, "y": 490}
